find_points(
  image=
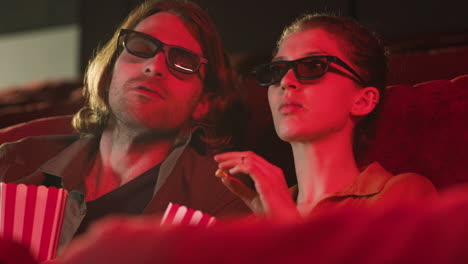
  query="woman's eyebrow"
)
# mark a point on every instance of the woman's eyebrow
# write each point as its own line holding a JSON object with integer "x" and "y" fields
{"x": 312, "y": 53}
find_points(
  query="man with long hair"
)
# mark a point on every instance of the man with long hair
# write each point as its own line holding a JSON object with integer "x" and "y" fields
{"x": 156, "y": 96}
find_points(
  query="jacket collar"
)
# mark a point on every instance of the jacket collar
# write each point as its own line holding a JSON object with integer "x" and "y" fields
{"x": 73, "y": 163}
{"x": 369, "y": 182}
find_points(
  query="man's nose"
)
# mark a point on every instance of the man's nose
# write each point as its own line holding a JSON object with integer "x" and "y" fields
{"x": 156, "y": 65}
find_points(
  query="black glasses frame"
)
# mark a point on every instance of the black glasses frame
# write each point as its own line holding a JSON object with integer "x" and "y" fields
{"x": 160, "y": 46}
{"x": 293, "y": 64}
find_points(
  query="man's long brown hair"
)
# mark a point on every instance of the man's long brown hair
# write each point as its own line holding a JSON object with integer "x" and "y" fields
{"x": 214, "y": 129}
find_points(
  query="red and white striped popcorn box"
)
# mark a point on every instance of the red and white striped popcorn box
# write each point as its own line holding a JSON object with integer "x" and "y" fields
{"x": 32, "y": 216}
{"x": 176, "y": 214}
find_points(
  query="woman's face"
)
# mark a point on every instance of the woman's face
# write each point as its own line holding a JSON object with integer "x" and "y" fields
{"x": 309, "y": 110}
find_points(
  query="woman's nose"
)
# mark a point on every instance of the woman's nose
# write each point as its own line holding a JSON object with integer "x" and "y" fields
{"x": 289, "y": 80}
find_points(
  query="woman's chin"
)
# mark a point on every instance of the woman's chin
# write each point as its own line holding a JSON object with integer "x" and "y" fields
{"x": 289, "y": 136}
{"x": 300, "y": 135}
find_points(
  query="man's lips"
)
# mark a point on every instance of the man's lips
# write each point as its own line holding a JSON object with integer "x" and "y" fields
{"x": 148, "y": 88}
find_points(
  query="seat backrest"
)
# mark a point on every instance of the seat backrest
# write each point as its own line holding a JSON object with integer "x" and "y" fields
{"x": 56, "y": 125}
{"x": 39, "y": 99}
{"x": 422, "y": 128}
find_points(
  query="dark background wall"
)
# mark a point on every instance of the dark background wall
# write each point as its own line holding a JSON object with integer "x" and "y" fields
{"x": 25, "y": 15}
{"x": 247, "y": 25}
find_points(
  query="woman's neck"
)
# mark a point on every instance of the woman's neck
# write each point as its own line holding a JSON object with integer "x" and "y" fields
{"x": 323, "y": 168}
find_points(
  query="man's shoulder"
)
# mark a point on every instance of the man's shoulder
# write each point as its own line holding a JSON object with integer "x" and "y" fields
{"x": 193, "y": 158}
{"x": 207, "y": 193}
{"x": 39, "y": 144}
{"x": 198, "y": 170}
{"x": 23, "y": 156}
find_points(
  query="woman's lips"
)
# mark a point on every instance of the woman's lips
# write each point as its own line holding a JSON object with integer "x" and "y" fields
{"x": 289, "y": 108}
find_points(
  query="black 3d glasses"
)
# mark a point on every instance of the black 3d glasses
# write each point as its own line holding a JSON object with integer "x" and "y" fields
{"x": 145, "y": 46}
{"x": 307, "y": 68}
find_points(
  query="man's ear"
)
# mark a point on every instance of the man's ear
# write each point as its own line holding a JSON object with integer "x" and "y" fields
{"x": 202, "y": 107}
{"x": 365, "y": 101}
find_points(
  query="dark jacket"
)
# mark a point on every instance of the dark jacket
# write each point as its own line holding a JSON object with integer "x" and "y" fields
{"x": 185, "y": 177}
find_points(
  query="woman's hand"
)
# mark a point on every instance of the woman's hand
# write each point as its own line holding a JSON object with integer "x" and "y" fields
{"x": 271, "y": 198}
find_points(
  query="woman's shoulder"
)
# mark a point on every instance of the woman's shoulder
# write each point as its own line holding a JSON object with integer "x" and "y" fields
{"x": 412, "y": 181}
{"x": 409, "y": 186}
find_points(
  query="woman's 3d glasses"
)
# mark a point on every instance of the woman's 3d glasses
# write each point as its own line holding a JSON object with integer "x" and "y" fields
{"x": 307, "y": 68}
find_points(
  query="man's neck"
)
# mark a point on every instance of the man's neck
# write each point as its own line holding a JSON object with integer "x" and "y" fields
{"x": 123, "y": 156}
{"x": 131, "y": 154}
